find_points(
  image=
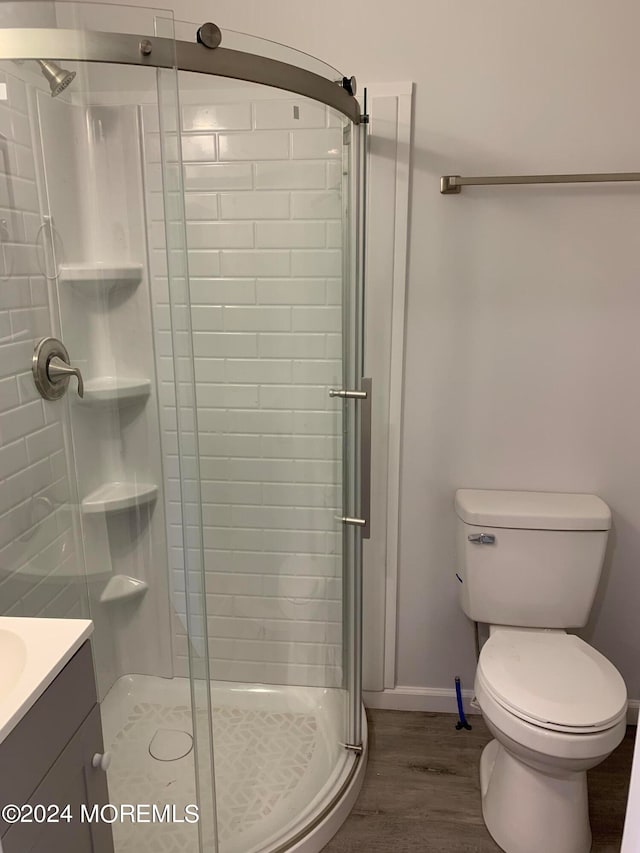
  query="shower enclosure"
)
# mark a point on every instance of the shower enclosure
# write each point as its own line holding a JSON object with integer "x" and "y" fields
{"x": 185, "y": 218}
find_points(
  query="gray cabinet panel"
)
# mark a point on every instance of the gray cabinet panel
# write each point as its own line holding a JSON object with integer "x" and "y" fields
{"x": 33, "y": 746}
{"x": 71, "y": 781}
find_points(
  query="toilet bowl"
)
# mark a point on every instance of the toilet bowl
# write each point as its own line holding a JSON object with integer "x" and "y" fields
{"x": 529, "y": 564}
{"x": 556, "y": 708}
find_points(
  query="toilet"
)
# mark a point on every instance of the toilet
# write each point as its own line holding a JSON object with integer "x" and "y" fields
{"x": 529, "y": 564}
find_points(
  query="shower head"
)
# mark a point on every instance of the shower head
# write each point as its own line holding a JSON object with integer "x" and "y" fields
{"x": 58, "y": 78}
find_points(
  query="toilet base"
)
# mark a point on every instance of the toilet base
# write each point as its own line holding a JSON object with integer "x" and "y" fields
{"x": 528, "y": 811}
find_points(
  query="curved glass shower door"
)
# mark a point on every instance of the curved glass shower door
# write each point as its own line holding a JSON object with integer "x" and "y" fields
{"x": 193, "y": 242}
{"x": 273, "y": 306}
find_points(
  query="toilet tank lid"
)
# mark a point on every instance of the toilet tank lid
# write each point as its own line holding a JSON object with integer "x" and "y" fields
{"x": 532, "y": 510}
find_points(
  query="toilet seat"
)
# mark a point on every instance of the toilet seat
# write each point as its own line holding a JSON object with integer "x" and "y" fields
{"x": 552, "y": 680}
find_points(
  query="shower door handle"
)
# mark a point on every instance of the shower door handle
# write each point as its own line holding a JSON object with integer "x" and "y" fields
{"x": 365, "y": 457}
{"x": 346, "y": 394}
{"x": 362, "y": 396}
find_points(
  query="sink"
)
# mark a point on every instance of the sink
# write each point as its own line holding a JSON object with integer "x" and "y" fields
{"x": 32, "y": 654}
{"x": 13, "y": 657}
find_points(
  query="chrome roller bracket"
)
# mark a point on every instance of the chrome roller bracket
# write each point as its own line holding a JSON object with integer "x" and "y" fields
{"x": 209, "y": 35}
{"x": 350, "y": 85}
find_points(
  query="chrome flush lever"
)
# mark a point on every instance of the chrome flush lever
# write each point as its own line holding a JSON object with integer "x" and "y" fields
{"x": 482, "y": 538}
{"x": 52, "y": 371}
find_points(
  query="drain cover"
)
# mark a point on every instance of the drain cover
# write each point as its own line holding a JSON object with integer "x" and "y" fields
{"x": 170, "y": 744}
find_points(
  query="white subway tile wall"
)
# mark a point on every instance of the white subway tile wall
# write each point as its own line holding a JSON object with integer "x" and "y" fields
{"x": 40, "y": 566}
{"x": 263, "y": 209}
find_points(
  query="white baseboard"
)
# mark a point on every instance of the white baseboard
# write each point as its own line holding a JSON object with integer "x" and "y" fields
{"x": 442, "y": 700}
{"x": 439, "y": 699}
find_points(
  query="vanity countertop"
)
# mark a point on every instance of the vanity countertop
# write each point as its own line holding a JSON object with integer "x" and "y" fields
{"x": 32, "y": 653}
{"x": 631, "y": 837}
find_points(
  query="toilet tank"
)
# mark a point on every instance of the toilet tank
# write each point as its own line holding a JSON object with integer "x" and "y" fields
{"x": 529, "y": 559}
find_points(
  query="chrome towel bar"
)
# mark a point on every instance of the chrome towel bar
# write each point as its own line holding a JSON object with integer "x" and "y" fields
{"x": 450, "y": 184}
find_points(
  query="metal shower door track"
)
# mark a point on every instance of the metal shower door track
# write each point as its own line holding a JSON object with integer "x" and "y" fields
{"x": 155, "y": 52}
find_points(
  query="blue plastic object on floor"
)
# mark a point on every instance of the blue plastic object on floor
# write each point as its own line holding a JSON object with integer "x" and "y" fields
{"x": 462, "y": 722}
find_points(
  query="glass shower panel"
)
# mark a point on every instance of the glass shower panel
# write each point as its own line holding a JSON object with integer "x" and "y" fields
{"x": 267, "y": 200}
{"x": 180, "y": 418}
{"x": 41, "y": 553}
{"x": 85, "y": 516}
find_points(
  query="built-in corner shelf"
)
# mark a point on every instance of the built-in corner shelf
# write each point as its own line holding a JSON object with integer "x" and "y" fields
{"x": 100, "y": 278}
{"x": 114, "y": 389}
{"x": 122, "y": 588}
{"x": 115, "y": 497}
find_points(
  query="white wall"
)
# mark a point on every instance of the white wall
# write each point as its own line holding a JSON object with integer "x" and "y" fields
{"x": 521, "y": 351}
{"x": 32, "y": 14}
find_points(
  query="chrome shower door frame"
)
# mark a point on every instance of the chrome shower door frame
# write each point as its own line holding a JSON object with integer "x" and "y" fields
{"x": 67, "y": 45}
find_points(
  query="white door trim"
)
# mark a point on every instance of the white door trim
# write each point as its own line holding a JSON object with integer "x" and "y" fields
{"x": 390, "y": 109}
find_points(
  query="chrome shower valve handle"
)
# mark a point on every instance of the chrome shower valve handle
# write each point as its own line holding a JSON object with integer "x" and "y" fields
{"x": 58, "y": 370}
{"x": 52, "y": 371}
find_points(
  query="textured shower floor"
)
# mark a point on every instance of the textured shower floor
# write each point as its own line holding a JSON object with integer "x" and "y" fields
{"x": 277, "y": 758}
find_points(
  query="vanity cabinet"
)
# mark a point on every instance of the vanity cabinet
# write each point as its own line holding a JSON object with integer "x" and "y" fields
{"x": 47, "y": 761}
